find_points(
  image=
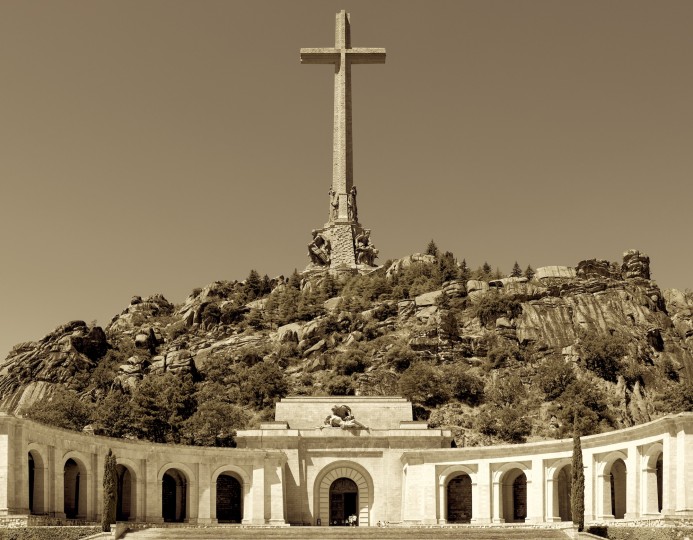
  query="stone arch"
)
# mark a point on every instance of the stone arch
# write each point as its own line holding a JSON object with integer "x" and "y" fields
{"x": 457, "y": 484}
{"x": 512, "y": 480}
{"x": 245, "y": 482}
{"x": 76, "y": 486}
{"x": 176, "y": 483}
{"x": 335, "y": 471}
{"x": 612, "y": 477}
{"x": 653, "y": 479}
{"x": 559, "y": 477}
{"x": 37, "y": 480}
{"x": 126, "y": 489}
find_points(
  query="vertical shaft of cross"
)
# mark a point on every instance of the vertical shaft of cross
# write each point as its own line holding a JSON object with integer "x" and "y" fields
{"x": 342, "y": 56}
{"x": 342, "y": 165}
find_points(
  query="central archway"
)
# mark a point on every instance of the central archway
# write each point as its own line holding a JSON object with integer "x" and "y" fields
{"x": 348, "y": 474}
{"x": 344, "y": 501}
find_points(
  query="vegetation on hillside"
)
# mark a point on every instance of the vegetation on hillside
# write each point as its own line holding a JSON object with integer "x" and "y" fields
{"x": 219, "y": 363}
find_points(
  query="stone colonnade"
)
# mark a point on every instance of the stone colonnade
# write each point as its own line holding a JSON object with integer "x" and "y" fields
{"x": 640, "y": 473}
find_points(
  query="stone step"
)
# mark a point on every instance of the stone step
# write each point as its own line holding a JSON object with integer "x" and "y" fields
{"x": 345, "y": 533}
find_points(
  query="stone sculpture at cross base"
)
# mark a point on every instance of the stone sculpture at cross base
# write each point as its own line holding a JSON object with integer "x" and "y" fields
{"x": 342, "y": 244}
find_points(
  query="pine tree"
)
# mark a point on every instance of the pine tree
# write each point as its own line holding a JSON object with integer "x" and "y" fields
{"x": 253, "y": 285}
{"x": 486, "y": 270}
{"x": 110, "y": 486}
{"x": 432, "y": 249}
{"x": 577, "y": 487}
{"x": 464, "y": 270}
{"x": 516, "y": 271}
{"x": 447, "y": 267}
{"x": 529, "y": 272}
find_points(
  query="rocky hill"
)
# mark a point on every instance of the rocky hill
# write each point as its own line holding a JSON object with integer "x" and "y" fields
{"x": 495, "y": 359}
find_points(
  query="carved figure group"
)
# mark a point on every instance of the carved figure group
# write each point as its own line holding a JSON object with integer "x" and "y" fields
{"x": 319, "y": 249}
{"x": 341, "y": 417}
{"x": 366, "y": 253}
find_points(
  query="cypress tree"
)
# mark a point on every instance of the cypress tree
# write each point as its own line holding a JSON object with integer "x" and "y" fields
{"x": 110, "y": 485}
{"x": 577, "y": 486}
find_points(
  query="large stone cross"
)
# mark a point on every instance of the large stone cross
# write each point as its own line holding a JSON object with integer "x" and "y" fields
{"x": 342, "y": 55}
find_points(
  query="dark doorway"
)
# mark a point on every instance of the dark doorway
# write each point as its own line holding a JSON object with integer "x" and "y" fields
{"x": 520, "y": 498}
{"x": 659, "y": 468}
{"x": 618, "y": 489}
{"x": 173, "y": 496}
{"x": 71, "y": 491}
{"x": 460, "y": 499}
{"x": 31, "y": 484}
{"x": 229, "y": 499}
{"x": 124, "y": 494}
{"x": 563, "y": 485}
{"x": 344, "y": 502}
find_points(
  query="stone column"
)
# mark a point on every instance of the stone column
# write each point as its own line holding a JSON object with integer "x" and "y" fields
{"x": 481, "y": 496}
{"x": 535, "y": 492}
{"x": 95, "y": 503}
{"x": 648, "y": 491}
{"x": 633, "y": 483}
{"x": 54, "y": 509}
{"x": 138, "y": 506}
{"x": 428, "y": 490}
{"x": 684, "y": 470}
{"x": 590, "y": 479}
{"x": 153, "y": 489}
{"x": 59, "y": 483}
{"x": 274, "y": 478}
{"x": 442, "y": 504}
{"x": 193, "y": 495}
{"x": 206, "y": 501}
{"x": 258, "y": 493}
{"x": 604, "y": 497}
{"x": 412, "y": 507}
{"x": 551, "y": 501}
{"x": 497, "y": 503}
{"x": 669, "y": 476}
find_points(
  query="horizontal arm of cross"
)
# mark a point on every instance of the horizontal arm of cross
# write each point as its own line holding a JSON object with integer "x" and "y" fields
{"x": 360, "y": 55}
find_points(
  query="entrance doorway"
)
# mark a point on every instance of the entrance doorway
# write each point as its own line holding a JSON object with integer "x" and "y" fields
{"x": 344, "y": 502}
{"x": 460, "y": 499}
{"x": 174, "y": 496}
{"x": 229, "y": 499}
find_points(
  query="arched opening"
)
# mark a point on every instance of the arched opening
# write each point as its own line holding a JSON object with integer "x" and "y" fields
{"x": 174, "y": 486}
{"x": 459, "y": 499}
{"x": 617, "y": 476}
{"x": 562, "y": 486}
{"x": 125, "y": 502}
{"x": 32, "y": 483}
{"x": 344, "y": 502}
{"x": 75, "y": 490}
{"x": 653, "y": 481}
{"x": 514, "y": 496}
{"x": 323, "y": 483}
{"x": 659, "y": 472}
{"x": 229, "y": 499}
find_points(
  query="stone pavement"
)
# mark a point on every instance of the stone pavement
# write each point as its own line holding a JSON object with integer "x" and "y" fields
{"x": 346, "y": 533}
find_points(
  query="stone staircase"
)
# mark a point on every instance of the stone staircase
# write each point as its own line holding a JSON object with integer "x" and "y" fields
{"x": 345, "y": 533}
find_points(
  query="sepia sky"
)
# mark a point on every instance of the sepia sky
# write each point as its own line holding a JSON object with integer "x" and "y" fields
{"x": 158, "y": 146}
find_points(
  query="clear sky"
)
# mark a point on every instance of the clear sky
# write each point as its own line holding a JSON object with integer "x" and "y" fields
{"x": 158, "y": 146}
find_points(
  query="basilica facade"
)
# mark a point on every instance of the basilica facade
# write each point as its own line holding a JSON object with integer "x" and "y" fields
{"x": 339, "y": 460}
